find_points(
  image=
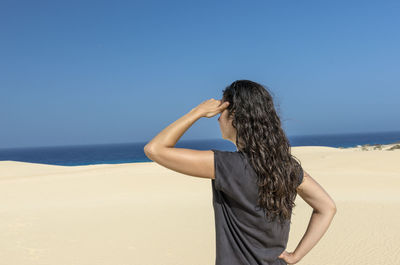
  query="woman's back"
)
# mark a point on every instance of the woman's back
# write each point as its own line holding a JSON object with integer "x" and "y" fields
{"x": 243, "y": 234}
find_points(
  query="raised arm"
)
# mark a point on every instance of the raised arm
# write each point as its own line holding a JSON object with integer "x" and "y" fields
{"x": 324, "y": 211}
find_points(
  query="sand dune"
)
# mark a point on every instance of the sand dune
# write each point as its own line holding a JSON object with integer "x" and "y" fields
{"x": 142, "y": 213}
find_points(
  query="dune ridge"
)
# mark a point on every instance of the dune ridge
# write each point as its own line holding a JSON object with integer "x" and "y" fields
{"x": 143, "y": 213}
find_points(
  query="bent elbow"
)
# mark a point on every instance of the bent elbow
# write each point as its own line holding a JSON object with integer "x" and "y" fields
{"x": 150, "y": 152}
{"x": 333, "y": 209}
{"x": 327, "y": 210}
{"x": 147, "y": 151}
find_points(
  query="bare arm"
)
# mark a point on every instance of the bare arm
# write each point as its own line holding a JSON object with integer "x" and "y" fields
{"x": 324, "y": 210}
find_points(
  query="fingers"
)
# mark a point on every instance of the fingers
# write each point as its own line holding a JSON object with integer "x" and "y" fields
{"x": 224, "y": 105}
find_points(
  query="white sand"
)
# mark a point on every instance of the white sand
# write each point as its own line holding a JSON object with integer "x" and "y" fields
{"x": 142, "y": 213}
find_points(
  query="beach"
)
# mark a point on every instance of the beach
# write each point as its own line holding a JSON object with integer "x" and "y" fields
{"x": 145, "y": 214}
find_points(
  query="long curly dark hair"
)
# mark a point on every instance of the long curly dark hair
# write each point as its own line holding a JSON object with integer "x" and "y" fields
{"x": 260, "y": 136}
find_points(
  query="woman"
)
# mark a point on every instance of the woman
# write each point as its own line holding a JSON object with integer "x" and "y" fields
{"x": 254, "y": 188}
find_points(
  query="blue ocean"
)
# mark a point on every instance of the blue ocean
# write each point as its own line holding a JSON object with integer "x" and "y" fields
{"x": 133, "y": 152}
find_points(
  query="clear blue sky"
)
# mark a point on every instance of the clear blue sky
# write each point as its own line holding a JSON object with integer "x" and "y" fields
{"x": 83, "y": 72}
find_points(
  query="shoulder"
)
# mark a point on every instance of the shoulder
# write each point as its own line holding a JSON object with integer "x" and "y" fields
{"x": 228, "y": 160}
{"x": 231, "y": 153}
{"x": 228, "y": 170}
{"x": 227, "y": 155}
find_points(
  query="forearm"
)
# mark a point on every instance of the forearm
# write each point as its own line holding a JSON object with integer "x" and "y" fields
{"x": 318, "y": 225}
{"x": 171, "y": 134}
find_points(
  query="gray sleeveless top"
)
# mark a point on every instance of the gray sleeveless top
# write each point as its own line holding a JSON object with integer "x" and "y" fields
{"x": 244, "y": 236}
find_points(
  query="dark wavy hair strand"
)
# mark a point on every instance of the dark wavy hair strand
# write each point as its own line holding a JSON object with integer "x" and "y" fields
{"x": 261, "y": 137}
